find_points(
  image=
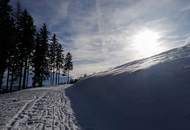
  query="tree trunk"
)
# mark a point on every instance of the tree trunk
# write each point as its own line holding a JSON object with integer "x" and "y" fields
{"x": 68, "y": 78}
{"x": 58, "y": 77}
{"x": 20, "y": 76}
{"x": 1, "y": 79}
{"x": 2, "y": 70}
{"x": 11, "y": 85}
{"x": 8, "y": 73}
{"x": 27, "y": 75}
{"x": 24, "y": 76}
{"x": 40, "y": 82}
{"x": 34, "y": 81}
{"x": 53, "y": 77}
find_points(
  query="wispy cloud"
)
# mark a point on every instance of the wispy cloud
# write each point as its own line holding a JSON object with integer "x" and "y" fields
{"x": 98, "y": 32}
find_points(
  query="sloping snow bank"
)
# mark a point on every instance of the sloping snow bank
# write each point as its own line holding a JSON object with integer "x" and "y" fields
{"x": 134, "y": 97}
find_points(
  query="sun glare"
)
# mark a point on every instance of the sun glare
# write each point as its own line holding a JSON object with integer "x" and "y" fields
{"x": 146, "y": 42}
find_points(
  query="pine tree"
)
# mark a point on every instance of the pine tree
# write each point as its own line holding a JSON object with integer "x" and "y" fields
{"x": 68, "y": 64}
{"x": 6, "y": 35}
{"x": 21, "y": 48}
{"x": 19, "y": 56}
{"x": 52, "y": 57}
{"x": 40, "y": 58}
{"x": 16, "y": 58}
{"x": 56, "y": 59}
{"x": 11, "y": 53}
{"x": 14, "y": 69}
{"x": 36, "y": 65}
{"x": 59, "y": 61}
{"x": 27, "y": 42}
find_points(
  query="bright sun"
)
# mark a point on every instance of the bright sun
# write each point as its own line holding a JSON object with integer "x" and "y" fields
{"x": 146, "y": 42}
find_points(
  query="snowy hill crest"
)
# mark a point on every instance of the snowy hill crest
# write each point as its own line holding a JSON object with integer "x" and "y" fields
{"x": 147, "y": 94}
{"x": 168, "y": 56}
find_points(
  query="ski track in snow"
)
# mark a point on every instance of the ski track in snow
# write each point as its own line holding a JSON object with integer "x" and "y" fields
{"x": 43, "y": 109}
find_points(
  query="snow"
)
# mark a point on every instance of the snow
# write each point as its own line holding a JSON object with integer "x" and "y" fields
{"x": 177, "y": 53}
{"x": 37, "y": 108}
{"x": 148, "y": 94}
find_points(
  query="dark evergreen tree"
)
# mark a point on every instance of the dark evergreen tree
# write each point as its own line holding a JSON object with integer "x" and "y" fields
{"x": 14, "y": 69}
{"x": 59, "y": 61}
{"x": 40, "y": 58}
{"x": 27, "y": 42}
{"x": 36, "y": 65}
{"x": 52, "y": 57}
{"x": 68, "y": 64}
{"x": 19, "y": 59}
{"x": 10, "y": 63}
{"x": 6, "y": 35}
{"x": 56, "y": 57}
{"x": 16, "y": 58}
{"x": 22, "y": 49}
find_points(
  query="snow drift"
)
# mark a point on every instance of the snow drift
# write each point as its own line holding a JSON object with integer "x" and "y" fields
{"x": 147, "y": 94}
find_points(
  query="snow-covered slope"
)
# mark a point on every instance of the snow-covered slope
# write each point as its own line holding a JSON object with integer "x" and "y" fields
{"x": 148, "y": 94}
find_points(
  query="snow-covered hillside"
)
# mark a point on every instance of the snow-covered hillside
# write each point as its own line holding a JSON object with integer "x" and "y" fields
{"x": 148, "y": 94}
{"x": 45, "y": 108}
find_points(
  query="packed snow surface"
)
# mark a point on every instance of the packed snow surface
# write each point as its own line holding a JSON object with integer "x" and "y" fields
{"x": 44, "y": 108}
{"x": 148, "y": 94}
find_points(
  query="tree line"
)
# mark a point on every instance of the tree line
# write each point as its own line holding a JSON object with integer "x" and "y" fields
{"x": 24, "y": 48}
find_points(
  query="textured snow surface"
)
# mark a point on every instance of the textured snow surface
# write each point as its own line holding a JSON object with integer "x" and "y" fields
{"x": 37, "y": 109}
{"x": 148, "y": 94}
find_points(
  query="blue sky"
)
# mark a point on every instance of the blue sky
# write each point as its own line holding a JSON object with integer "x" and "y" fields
{"x": 100, "y": 33}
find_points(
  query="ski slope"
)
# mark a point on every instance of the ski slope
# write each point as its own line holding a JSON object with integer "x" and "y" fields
{"x": 37, "y": 109}
{"x": 147, "y": 94}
